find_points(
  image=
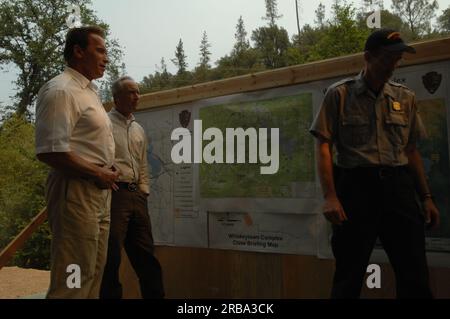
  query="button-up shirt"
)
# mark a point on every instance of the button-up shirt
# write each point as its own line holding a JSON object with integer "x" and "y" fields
{"x": 369, "y": 129}
{"x": 71, "y": 118}
{"x": 131, "y": 150}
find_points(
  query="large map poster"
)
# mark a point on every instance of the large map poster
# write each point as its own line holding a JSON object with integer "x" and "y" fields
{"x": 293, "y": 116}
{"x": 173, "y": 208}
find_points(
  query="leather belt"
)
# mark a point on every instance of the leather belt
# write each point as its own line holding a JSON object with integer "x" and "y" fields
{"x": 381, "y": 172}
{"x": 132, "y": 187}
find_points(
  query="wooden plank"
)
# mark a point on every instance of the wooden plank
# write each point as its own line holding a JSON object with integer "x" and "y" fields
{"x": 307, "y": 277}
{"x": 19, "y": 241}
{"x": 211, "y": 273}
{"x": 255, "y": 275}
{"x": 427, "y": 52}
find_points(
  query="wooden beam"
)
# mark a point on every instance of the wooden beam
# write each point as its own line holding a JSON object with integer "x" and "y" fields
{"x": 19, "y": 241}
{"x": 427, "y": 52}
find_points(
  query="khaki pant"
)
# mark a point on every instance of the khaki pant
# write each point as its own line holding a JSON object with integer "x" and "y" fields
{"x": 79, "y": 217}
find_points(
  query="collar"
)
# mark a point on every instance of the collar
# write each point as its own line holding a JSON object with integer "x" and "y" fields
{"x": 360, "y": 84}
{"x": 362, "y": 87}
{"x": 121, "y": 117}
{"x": 80, "y": 79}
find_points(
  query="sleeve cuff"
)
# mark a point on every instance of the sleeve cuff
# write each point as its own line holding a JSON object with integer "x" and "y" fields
{"x": 144, "y": 188}
{"x": 52, "y": 149}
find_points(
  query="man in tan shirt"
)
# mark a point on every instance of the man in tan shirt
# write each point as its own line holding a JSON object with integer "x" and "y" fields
{"x": 130, "y": 220}
{"x": 374, "y": 125}
{"x": 74, "y": 137}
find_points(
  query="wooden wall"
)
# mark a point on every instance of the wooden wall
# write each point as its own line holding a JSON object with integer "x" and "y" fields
{"x": 211, "y": 273}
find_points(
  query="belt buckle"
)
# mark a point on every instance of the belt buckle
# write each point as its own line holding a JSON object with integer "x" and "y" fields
{"x": 132, "y": 187}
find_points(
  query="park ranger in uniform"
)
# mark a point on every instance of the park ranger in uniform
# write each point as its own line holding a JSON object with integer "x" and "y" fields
{"x": 371, "y": 191}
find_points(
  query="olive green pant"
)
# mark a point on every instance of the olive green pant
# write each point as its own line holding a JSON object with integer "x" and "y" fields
{"x": 79, "y": 218}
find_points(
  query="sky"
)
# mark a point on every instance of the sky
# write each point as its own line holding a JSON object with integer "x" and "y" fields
{"x": 148, "y": 30}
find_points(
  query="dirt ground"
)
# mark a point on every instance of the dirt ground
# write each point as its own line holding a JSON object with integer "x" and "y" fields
{"x": 19, "y": 283}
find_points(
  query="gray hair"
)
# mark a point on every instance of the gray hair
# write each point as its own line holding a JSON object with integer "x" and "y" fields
{"x": 117, "y": 85}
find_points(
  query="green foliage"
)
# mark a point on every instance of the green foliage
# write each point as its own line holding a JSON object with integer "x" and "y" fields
{"x": 272, "y": 42}
{"x": 242, "y": 43}
{"x": 161, "y": 80}
{"x": 180, "y": 59}
{"x": 205, "y": 54}
{"x": 238, "y": 63}
{"x": 242, "y": 60}
{"x": 320, "y": 15}
{"x": 344, "y": 33}
{"x": 417, "y": 14}
{"x": 444, "y": 21}
{"x": 32, "y": 36}
{"x": 272, "y": 12}
{"x": 22, "y": 187}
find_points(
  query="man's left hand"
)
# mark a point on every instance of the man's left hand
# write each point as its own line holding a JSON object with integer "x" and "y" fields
{"x": 431, "y": 214}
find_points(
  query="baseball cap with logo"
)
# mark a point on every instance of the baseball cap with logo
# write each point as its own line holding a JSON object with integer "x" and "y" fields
{"x": 387, "y": 39}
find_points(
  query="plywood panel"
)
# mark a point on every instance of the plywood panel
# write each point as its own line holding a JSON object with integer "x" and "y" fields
{"x": 209, "y": 273}
{"x": 306, "y": 277}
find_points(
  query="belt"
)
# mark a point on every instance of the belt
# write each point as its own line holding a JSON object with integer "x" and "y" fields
{"x": 132, "y": 187}
{"x": 380, "y": 172}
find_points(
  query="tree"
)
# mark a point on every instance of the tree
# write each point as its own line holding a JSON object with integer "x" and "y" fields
{"x": 205, "y": 54}
{"x": 272, "y": 12}
{"x": 165, "y": 75}
{"x": 343, "y": 35}
{"x": 272, "y": 41}
{"x": 161, "y": 80}
{"x": 22, "y": 180}
{"x": 243, "y": 59}
{"x": 180, "y": 59}
{"x": 417, "y": 14}
{"x": 242, "y": 43}
{"x": 32, "y": 36}
{"x": 304, "y": 43}
{"x": 320, "y": 15}
{"x": 444, "y": 21}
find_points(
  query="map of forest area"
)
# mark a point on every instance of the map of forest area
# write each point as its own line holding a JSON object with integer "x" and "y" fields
{"x": 293, "y": 116}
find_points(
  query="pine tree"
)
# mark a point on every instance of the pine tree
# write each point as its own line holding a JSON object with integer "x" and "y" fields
{"x": 242, "y": 43}
{"x": 272, "y": 12}
{"x": 320, "y": 15}
{"x": 205, "y": 54}
{"x": 180, "y": 58}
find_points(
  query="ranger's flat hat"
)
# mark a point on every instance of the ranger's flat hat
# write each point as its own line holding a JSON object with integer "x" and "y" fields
{"x": 388, "y": 39}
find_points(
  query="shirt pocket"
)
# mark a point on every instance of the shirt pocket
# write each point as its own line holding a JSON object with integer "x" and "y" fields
{"x": 355, "y": 130}
{"x": 397, "y": 128}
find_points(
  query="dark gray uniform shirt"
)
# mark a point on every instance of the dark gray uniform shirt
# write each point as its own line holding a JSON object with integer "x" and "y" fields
{"x": 369, "y": 130}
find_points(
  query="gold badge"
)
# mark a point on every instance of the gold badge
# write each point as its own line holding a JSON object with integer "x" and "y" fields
{"x": 396, "y": 106}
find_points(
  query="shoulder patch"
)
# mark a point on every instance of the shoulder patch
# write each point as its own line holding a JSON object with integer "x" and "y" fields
{"x": 341, "y": 82}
